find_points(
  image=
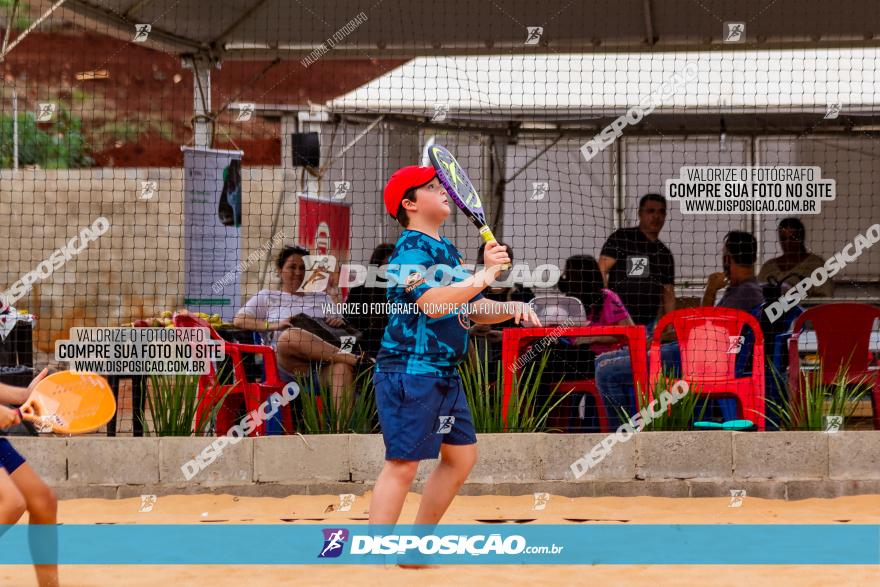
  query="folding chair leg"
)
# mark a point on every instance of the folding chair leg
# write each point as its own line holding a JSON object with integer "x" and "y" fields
{"x": 252, "y": 405}
{"x": 603, "y": 416}
{"x": 224, "y": 420}
{"x": 875, "y": 404}
{"x": 287, "y": 419}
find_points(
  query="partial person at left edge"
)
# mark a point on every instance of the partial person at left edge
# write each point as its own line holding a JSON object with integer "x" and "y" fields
{"x": 22, "y": 489}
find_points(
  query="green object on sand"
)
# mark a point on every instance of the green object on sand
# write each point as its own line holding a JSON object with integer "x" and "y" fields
{"x": 729, "y": 425}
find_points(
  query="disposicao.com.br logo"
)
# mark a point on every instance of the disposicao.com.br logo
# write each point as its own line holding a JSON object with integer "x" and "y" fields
{"x": 335, "y": 540}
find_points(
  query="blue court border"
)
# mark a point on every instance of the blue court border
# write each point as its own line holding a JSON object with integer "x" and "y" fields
{"x": 298, "y": 544}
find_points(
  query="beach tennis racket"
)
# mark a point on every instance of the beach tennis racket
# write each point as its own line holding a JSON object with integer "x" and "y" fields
{"x": 459, "y": 187}
{"x": 69, "y": 403}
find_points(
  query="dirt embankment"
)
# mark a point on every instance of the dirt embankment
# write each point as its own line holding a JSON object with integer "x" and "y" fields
{"x": 136, "y": 102}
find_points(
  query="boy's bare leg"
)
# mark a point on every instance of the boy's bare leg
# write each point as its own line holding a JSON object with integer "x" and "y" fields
{"x": 456, "y": 462}
{"x": 390, "y": 491}
{"x": 42, "y": 507}
{"x": 12, "y": 503}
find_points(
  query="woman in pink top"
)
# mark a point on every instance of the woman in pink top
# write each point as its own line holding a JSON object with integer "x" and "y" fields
{"x": 575, "y": 358}
{"x": 582, "y": 279}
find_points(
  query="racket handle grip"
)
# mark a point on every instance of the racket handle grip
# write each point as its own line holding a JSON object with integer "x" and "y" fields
{"x": 487, "y": 235}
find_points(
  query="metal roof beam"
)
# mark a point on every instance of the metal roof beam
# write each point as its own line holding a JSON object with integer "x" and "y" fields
{"x": 121, "y": 23}
{"x": 649, "y": 22}
{"x": 246, "y": 15}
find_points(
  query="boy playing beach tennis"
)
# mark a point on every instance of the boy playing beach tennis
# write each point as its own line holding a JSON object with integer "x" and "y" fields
{"x": 22, "y": 489}
{"x": 422, "y": 407}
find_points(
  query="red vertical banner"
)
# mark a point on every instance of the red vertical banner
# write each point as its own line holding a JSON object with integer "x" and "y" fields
{"x": 325, "y": 228}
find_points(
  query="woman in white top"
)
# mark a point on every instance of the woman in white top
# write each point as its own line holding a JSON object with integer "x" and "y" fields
{"x": 296, "y": 349}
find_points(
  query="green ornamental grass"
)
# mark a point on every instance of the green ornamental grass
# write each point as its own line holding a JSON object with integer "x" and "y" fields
{"x": 174, "y": 401}
{"x": 525, "y": 412}
{"x": 818, "y": 400}
{"x": 356, "y": 412}
{"x": 679, "y": 415}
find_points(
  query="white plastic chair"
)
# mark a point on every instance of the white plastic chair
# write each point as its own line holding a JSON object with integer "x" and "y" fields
{"x": 554, "y": 310}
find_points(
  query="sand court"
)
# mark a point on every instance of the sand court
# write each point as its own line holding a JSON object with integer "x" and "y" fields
{"x": 485, "y": 510}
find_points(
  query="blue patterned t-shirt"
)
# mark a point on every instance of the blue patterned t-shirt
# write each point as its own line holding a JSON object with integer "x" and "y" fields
{"x": 414, "y": 343}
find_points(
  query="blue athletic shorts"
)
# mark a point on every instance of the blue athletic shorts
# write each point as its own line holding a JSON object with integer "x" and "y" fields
{"x": 418, "y": 413}
{"x": 9, "y": 457}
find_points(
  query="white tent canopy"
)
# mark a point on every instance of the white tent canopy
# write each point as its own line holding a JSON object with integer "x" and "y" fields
{"x": 578, "y": 85}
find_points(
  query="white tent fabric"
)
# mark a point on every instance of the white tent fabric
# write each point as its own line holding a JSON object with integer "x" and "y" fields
{"x": 261, "y": 29}
{"x": 559, "y": 86}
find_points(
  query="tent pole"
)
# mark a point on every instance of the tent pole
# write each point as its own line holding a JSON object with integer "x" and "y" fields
{"x": 619, "y": 218}
{"x": 351, "y": 144}
{"x": 14, "y": 129}
{"x": 497, "y": 167}
{"x": 203, "y": 119}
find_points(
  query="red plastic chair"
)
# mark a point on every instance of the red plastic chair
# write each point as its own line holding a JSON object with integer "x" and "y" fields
{"x": 843, "y": 335}
{"x": 515, "y": 338}
{"x": 704, "y": 338}
{"x": 252, "y": 393}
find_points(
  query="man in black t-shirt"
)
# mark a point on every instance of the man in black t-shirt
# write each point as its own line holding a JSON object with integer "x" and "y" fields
{"x": 638, "y": 267}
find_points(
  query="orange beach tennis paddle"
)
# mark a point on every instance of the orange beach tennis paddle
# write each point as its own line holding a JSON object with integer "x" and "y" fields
{"x": 70, "y": 403}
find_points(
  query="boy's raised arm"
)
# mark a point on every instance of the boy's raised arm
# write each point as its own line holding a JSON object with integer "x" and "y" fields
{"x": 439, "y": 301}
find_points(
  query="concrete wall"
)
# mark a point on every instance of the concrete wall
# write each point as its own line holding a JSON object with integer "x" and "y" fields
{"x": 777, "y": 465}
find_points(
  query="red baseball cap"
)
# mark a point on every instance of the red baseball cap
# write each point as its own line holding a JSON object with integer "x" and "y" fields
{"x": 406, "y": 178}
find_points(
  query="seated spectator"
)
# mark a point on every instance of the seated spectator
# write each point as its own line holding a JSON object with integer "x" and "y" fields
{"x": 361, "y": 301}
{"x": 796, "y": 262}
{"x": 574, "y": 358}
{"x": 298, "y": 351}
{"x": 613, "y": 370}
{"x": 581, "y": 279}
{"x": 738, "y": 275}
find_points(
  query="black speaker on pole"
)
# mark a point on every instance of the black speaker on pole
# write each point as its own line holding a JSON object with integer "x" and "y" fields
{"x": 306, "y": 149}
